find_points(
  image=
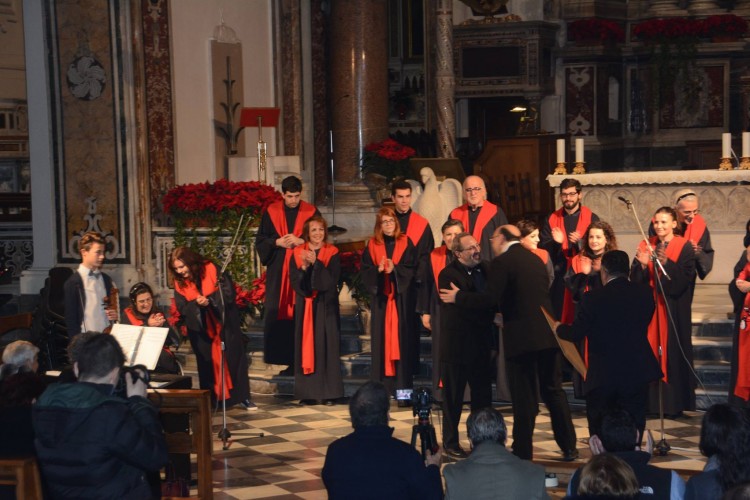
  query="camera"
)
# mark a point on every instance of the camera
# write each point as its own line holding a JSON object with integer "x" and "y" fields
{"x": 138, "y": 372}
{"x": 421, "y": 402}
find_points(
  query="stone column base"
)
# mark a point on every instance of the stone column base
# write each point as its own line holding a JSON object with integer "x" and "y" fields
{"x": 353, "y": 195}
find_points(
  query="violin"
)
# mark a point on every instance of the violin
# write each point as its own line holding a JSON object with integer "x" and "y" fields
{"x": 112, "y": 303}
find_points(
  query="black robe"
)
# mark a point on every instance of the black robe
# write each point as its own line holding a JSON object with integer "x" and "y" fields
{"x": 325, "y": 382}
{"x": 429, "y": 303}
{"x": 679, "y": 393}
{"x": 167, "y": 362}
{"x": 235, "y": 343}
{"x": 402, "y": 278}
{"x": 278, "y": 335}
{"x": 738, "y": 299}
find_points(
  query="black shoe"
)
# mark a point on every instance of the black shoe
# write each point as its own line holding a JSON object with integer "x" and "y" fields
{"x": 329, "y": 402}
{"x": 570, "y": 455}
{"x": 455, "y": 452}
{"x": 308, "y": 402}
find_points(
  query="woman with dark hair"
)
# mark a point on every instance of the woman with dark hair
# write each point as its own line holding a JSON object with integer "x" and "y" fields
{"x": 388, "y": 267}
{"x": 672, "y": 335}
{"x": 314, "y": 272}
{"x": 143, "y": 311}
{"x": 739, "y": 387}
{"x": 725, "y": 439}
{"x": 205, "y": 301}
{"x": 530, "y": 241}
{"x": 607, "y": 476}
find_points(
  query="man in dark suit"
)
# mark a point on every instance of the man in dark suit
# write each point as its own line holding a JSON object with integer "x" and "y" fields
{"x": 467, "y": 336}
{"x": 614, "y": 319}
{"x": 518, "y": 281}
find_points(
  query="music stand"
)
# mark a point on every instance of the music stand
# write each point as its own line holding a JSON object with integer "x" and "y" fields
{"x": 260, "y": 117}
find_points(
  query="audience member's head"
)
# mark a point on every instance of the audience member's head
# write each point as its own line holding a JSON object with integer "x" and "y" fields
{"x": 100, "y": 358}
{"x": 715, "y": 429}
{"x": 616, "y": 263}
{"x": 617, "y": 431}
{"x": 734, "y": 453}
{"x": 608, "y": 476}
{"x": 19, "y": 356}
{"x": 739, "y": 492}
{"x": 484, "y": 425}
{"x": 369, "y": 405}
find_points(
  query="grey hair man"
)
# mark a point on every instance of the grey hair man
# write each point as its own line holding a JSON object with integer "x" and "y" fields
{"x": 694, "y": 229}
{"x": 19, "y": 356}
{"x": 491, "y": 471}
{"x": 371, "y": 463}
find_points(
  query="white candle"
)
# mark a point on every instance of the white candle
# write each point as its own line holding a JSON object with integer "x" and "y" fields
{"x": 745, "y": 144}
{"x": 579, "y": 150}
{"x": 726, "y": 145}
{"x": 561, "y": 151}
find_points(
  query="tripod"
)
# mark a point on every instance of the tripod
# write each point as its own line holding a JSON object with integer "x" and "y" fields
{"x": 224, "y": 433}
{"x": 426, "y": 432}
{"x": 662, "y": 448}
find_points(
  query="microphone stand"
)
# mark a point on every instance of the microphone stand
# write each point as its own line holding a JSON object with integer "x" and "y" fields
{"x": 662, "y": 448}
{"x": 224, "y": 433}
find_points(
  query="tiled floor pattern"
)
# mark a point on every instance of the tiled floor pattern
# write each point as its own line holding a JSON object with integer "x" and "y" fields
{"x": 286, "y": 462}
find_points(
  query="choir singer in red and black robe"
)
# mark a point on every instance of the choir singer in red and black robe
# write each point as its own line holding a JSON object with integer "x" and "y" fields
{"x": 676, "y": 255}
{"x": 388, "y": 266}
{"x": 279, "y": 232}
{"x": 314, "y": 271}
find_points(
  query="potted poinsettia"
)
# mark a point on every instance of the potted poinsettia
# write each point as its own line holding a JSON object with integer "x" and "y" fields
{"x": 595, "y": 30}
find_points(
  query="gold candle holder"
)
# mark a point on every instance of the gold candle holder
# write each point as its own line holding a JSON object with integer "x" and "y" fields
{"x": 560, "y": 169}
{"x": 726, "y": 164}
{"x": 745, "y": 163}
{"x": 580, "y": 167}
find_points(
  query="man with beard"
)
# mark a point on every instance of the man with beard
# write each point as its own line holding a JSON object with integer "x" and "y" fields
{"x": 467, "y": 336}
{"x": 694, "y": 229}
{"x": 561, "y": 236}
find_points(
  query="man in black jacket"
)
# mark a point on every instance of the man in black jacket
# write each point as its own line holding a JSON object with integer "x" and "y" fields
{"x": 91, "y": 444}
{"x": 614, "y": 319}
{"x": 467, "y": 336}
{"x": 519, "y": 282}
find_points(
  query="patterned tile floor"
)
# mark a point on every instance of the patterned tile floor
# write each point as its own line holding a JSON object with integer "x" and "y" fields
{"x": 286, "y": 462}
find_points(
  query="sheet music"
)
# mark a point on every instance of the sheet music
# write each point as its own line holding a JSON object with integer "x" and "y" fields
{"x": 569, "y": 349}
{"x": 141, "y": 345}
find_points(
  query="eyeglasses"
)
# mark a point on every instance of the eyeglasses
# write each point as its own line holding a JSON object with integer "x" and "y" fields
{"x": 689, "y": 212}
{"x": 469, "y": 190}
{"x": 569, "y": 195}
{"x": 473, "y": 248}
{"x": 387, "y": 221}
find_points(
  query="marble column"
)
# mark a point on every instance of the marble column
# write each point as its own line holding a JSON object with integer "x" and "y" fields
{"x": 358, "y": 91}
{"x": 446, "y": 81}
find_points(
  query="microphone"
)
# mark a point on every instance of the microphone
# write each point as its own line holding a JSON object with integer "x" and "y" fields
{"x": 625, "y": 200}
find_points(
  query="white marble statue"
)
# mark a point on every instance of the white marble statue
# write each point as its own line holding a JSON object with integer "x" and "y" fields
{"x": 436, "y": 201}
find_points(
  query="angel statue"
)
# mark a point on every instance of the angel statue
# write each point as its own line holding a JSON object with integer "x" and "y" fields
{"x": 436, "y": 200}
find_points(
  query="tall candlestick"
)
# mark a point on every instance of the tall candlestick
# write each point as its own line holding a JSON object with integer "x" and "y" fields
{"x": 561, "y": 151}
{"x": 745, "y": 144}
{"x": 726, "y": 145}
{"x": 579, "y": 150}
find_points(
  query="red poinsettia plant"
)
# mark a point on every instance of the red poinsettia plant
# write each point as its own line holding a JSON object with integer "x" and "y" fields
{"x": 595, "y": 29}
{"x": 257, "y": 294}
{"x": 351, "y": 265}
{"x": 387, "y": 158}
{"x": 724, "y": 25}
{"x": 206, "y": 199}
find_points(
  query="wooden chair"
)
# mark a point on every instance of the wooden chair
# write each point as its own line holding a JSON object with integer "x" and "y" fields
{"x": 22, "y": 473}
{"x": 197, "y": 404}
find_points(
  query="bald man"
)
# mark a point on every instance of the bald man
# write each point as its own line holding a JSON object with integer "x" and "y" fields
{"x": 479, "y": 216}
{"x": 519, "y": 281}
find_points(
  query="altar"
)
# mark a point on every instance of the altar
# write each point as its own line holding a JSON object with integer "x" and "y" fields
{"x": 724, "y": 203}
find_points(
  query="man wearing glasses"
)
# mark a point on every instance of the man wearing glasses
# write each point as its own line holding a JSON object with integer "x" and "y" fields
{"x": 561, "y": 236}
{"x": 694, "y": 230}
{"x": 467, "y": 337}
{"x": 479, "y": 216}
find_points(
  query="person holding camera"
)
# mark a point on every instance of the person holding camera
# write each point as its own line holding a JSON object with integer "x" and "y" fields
{"x": 467, "y": 336}
{"x": 91, "y": 443}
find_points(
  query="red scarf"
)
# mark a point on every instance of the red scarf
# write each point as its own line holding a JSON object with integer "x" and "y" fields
{"x": 742, "y": 384}
{"x": 416, "y": 227}
{"x": 658, "y": 329}
{"x": 209, "y": 285}
{"x": 134, "y": 320}
{"x": 308, "y": 320}
{"x": 542, "y": 254}
{"x": 694, "y": 232}
{"x": 557, "y": 220}
{"x": 438, "y": 259}
{"x": 486, "y": 212}
{"x": 392, "y": 349}
{"x": 278, "y": 219}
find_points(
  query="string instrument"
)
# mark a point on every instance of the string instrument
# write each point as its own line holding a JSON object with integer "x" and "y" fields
{"x": 112, "y": 303}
